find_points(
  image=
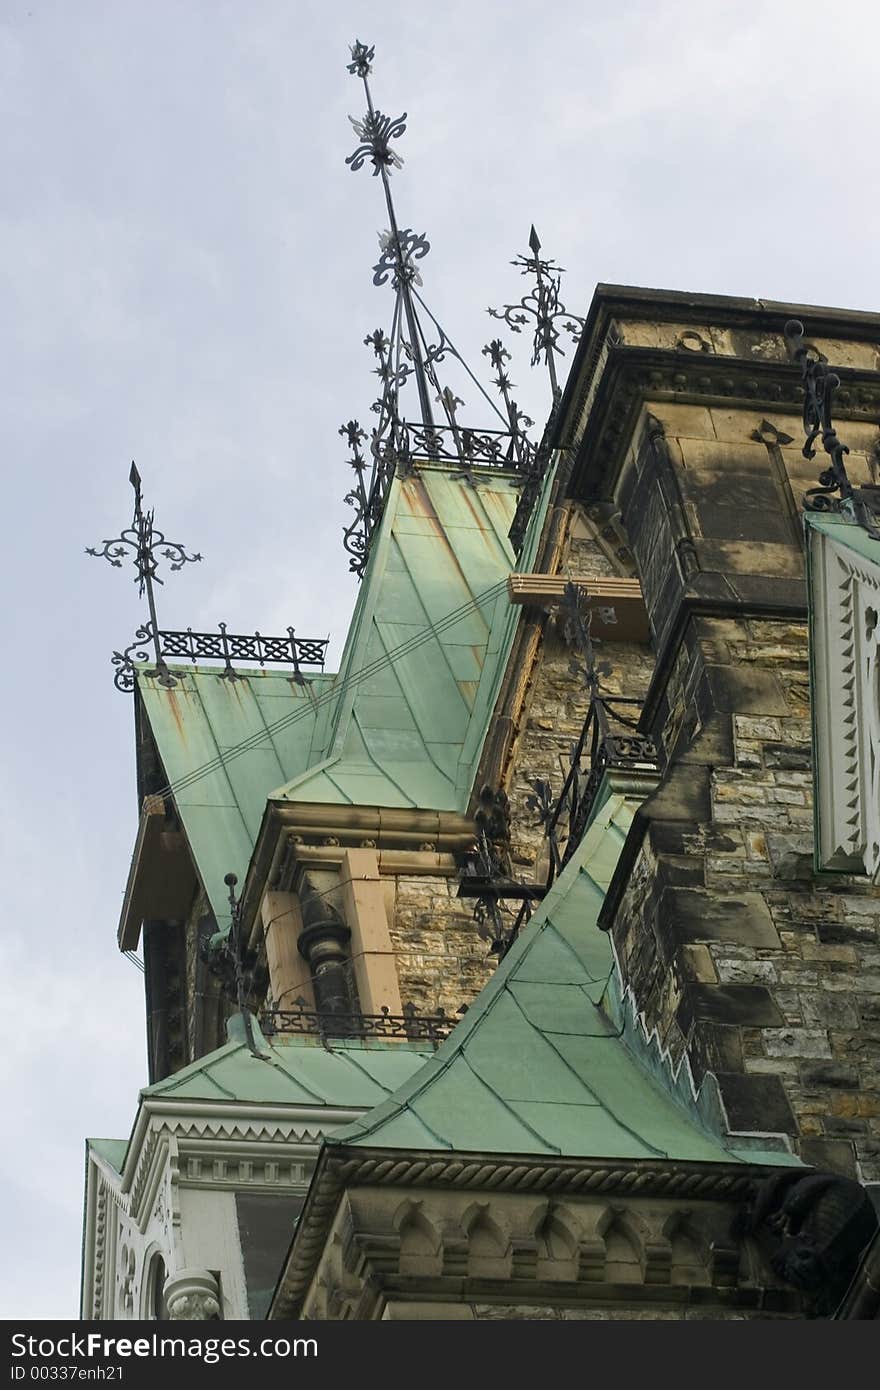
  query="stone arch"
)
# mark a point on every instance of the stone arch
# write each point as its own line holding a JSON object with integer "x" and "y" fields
{"x": 623, "y": 1247}
{"x": 153, "y": 1278}
{"x": 689, "y": 1254}
{"x": 489, "y": 1255}
{"x": 557, "y": 1244}
{"x": 420, "y": 1244}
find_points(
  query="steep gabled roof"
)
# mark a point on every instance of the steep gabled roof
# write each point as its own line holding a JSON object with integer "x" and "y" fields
{"x": 429, "y": 636}
{"x": 402, "y": 724}
{"x": 220, "y": 794}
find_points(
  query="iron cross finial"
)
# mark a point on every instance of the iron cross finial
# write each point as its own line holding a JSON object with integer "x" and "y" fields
{"x": 145, "y": 546}
{"x": 544, "y": 308}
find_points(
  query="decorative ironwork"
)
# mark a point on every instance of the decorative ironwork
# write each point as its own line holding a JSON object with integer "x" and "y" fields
{"x": 374, "y": 132}
{"x": 543, "y": 306}
{"x": 399, "y": 256}
{"x": 415, "y": 1027}
{"x": 415, "y": 348}
{"x": 487, "y": 876}
{"x": 144, "y": 544}
{"x": 610, "y": 739}
{"x": 234, "y": 646}
{"x": 228, "y": 958}
{"x": 820, "y": 384}
{"x": 216, "y": 646}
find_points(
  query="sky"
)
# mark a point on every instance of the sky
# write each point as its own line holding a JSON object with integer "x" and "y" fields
{"x": 185, "y": 279}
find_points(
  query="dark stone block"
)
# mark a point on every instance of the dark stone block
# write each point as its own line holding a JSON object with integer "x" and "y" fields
{"x": 715, "y": 1047}
{"x": 755, "y": 523}
{"x": 746, "y": 690}
{"x": 836, "y": 1124}
{"x": 696, "y": 916}
{"x": 793, "y": 757}
{"x": 710, "y": 587}
{"x": 836, "y": 1075}
{"x": 667, "y": 837}
{"x": 749, "y": 1006}
{"x": 772, "y": 594}
{"x": 684, "y": 796}
{"x": 720, "y": 843}
{"x": 683, "y": 871}
{"x": 756, "y": 1103}
{"x": 845, "y": 933}
{"x": 833, "y": 1155}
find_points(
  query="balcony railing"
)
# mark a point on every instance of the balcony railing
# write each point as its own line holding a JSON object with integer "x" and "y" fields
{"x": 411, "y": 1025}
{"x": 610, "y": 741}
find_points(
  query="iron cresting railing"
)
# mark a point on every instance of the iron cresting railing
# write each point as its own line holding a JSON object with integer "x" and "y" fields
{"x": 210, "y": 646}
{"x": 415, "y": 1027}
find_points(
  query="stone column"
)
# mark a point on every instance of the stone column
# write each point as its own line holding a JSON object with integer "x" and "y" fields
{"x": 192, "y": 1295}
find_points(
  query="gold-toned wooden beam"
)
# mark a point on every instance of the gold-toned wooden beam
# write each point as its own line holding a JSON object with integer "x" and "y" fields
{"x": 619, "y": 613}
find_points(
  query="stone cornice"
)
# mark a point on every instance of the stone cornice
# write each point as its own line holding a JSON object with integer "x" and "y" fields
{"x": 634, "y": 375}
{"x": 340, "y": 1167}
{"x": 612, "y": 303}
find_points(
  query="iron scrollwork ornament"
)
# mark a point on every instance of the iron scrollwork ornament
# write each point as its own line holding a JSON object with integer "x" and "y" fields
{"x": 543, "y": 307}
{"x": 820, "y": 385}
{"x": 144, "y": 545}
{"x": 415, "y": 349}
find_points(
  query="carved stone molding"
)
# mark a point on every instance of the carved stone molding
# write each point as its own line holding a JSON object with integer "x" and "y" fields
{"x": 633, "y": 376}
{"x": 192, "y": 1295}
{"x": 528, "y": 1248}
{"x": 428, "y": 1181}
{"x": 845, "y": 661}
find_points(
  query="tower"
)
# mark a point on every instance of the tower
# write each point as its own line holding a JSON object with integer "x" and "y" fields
{"x": 493, "y": 975}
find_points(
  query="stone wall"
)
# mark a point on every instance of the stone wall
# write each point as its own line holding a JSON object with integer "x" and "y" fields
{"x": 441, "y": 961}
{"x": 555, "y": 704}
{"x": 736, "y": 952}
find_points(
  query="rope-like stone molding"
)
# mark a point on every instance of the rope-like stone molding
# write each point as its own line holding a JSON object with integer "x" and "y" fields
{"x": 345, "y": 1168}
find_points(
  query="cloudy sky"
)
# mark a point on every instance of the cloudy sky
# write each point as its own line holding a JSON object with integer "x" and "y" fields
{"x": 185, "y": 280}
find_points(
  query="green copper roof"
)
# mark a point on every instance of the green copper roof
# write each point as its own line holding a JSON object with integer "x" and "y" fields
{"x": 403, "y": 722}
{"x": 295, "y": 1071}
{"x": 846, "y": 532}
{"x": 111, "y": 1150}
{"x": 536, "y": 1065}
{"x": 221, "y": 799}
{"x": 433, "y": 626}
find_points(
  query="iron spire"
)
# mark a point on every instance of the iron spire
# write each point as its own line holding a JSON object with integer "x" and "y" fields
{"x": 144, "y": 545}
{"x": 416, "y": 346}
{"x": 542, "y": 305}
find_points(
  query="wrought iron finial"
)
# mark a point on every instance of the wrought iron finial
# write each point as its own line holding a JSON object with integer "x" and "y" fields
{"x": 361, "y": 59}
{"x": 145, "y": 546}
{"x": 415, "y": 348}
{"x": 543, "y": 306}
{"x": 519, "y": 421}
{"x": 820, "y": 384}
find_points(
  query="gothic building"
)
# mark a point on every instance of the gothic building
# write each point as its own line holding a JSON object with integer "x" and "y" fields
{"x": 529, "y": 965}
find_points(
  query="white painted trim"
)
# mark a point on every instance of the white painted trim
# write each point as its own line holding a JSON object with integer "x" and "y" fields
{"x": 845, "y": 666}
